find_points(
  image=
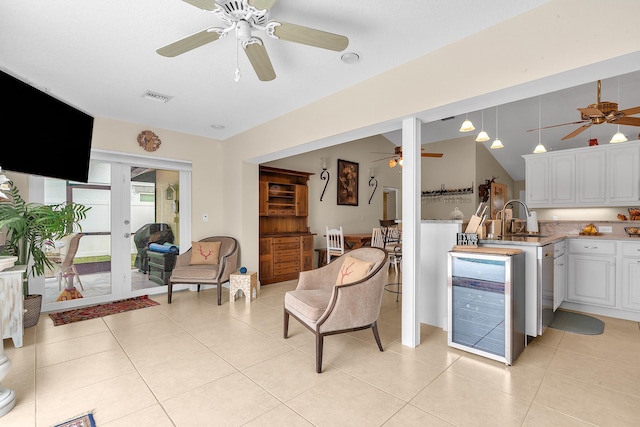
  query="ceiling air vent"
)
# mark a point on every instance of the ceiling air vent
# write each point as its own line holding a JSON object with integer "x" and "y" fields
{"x": 155, "y": 96}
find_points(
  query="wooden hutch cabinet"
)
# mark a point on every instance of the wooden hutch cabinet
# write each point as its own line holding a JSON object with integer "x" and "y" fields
{"x": 286, "y": 245}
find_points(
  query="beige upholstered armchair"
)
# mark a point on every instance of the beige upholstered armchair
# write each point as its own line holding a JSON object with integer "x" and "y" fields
{"x": 209, "y": 261}
{"x": 342, "y": 296}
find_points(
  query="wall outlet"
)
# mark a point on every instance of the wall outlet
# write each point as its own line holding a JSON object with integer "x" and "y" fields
{"x": 205, "y": 217}
{"x": 606, "y": 229}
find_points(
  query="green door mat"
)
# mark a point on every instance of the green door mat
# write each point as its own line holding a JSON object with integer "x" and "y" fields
{"x": 577, "y": 323}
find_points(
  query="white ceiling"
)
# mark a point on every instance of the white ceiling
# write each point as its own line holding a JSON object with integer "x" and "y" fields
{"x": 100, "y": 56}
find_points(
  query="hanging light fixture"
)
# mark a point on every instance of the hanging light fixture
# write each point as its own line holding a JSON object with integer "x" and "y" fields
{"x": 618, "y": 136}
{"x": 539, "y": 148}
{"x": 467, "y": 126}
{"x": 496, "y": 142}
{"x": 482, "y": 136}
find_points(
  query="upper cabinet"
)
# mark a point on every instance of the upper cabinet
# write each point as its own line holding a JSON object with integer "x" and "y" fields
{"x": 584, "y": 177}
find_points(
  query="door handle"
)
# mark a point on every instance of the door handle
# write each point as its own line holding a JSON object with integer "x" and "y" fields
{"x": 127, "y": 235}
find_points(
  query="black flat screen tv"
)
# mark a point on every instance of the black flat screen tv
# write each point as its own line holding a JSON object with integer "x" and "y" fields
{"x": 49, "y": 137}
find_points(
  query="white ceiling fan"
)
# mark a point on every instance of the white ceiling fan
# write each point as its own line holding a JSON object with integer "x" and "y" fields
{"x": 246, "y": 16}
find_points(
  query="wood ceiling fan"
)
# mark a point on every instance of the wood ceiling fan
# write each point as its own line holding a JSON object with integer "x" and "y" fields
{"x": 598, "y": 113}
{"x": 245, "y": 16}
{"x": 396, "y": 157}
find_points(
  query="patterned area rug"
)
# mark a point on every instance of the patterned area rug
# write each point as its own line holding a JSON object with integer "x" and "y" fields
{"x": 85, "y": 420}
{"x": 101, "y": 310}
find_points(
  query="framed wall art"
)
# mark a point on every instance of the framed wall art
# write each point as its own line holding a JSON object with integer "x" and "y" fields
{"x": 498, "y": 196}
{"x": 347, "y": 183}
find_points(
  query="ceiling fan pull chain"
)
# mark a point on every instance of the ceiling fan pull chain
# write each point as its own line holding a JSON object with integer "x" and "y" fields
{"x": 237, "y": 76}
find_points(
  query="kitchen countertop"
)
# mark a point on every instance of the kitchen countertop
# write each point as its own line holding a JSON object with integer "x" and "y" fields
{"x": 546, "y": 240}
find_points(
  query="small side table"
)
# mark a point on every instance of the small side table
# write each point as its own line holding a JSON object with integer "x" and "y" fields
{"x": 247, "y": 282}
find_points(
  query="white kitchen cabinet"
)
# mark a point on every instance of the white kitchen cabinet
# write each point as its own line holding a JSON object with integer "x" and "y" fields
{"x": 592, "y": 272}
{"x": 623, "y": 174}
{"x": 604, "y": 175}
{"x": 559, "y": 273}
{"x": 537, "y": 180}
{"x": 630, "y": 275}
{"x": 562, "y": 169}
{"x": 591, "y": 177}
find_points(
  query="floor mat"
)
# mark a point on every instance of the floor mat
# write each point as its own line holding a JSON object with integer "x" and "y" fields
{"x": 85, "y": 420}
{"x": 101, "y": 310}
{"x": 577, "y": 323}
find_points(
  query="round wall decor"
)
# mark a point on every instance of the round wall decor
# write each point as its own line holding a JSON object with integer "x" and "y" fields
{"x": 149, "y": 140}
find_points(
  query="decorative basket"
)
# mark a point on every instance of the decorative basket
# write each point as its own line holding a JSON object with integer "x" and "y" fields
{"x": 32, "y": 309}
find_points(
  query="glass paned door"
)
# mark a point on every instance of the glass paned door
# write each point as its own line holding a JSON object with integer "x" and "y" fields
{"x": 112, "y": 257}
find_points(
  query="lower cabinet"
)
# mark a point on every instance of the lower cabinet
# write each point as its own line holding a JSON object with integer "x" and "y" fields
{"x": 592, "y": 272}
{"x": 283, "y": 258}
{"x": 604, "y": 275}
{"x": 630, "y": 275}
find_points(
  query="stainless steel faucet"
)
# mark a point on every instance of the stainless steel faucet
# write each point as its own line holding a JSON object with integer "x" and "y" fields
{"x": 532, "y": 222}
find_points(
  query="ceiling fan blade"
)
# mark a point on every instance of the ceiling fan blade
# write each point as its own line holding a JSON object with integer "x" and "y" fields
{"x": 576, "y": 132}
{"x": 563, "y": 124}
{"x": 261, "y": 4}
{"x": 384, "y": 158}
{"x": 629, "y": 121}
{"x": 189, "y": 43}
{"x": 259, "y": 59}
{"x": 630, "y": 111}
{"x": 591, "y": 112}
{"x": 432, "y": 154}
{"x": 309, "y": 36}
{"x": 202, "y": 4}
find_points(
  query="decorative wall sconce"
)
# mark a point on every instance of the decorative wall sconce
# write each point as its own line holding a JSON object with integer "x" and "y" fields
{"x": 324, "y": 175}
{"x": 373, "y": 182}
{"x": 169, "y": 193}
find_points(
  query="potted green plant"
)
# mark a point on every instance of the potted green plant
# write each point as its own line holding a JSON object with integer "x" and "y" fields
{"x": 28, "y": 227}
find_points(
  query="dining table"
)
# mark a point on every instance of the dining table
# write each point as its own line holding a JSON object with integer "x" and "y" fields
{"x": 357, "y": 240}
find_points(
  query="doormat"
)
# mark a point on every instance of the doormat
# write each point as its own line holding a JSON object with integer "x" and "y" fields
{"x": 577, "y": 323}
{"x": 85, "y": 420}
{"x": 79, "y": 314}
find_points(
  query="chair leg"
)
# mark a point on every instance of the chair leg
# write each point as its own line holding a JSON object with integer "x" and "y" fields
{"x": 169, "y": 290}
{"x": 75, "y": 271}
{"x": 219, "y": 289}
{"x": 376, "y": 335}
{"x": 285, "y": 328}
{"x": 319, "y": 345}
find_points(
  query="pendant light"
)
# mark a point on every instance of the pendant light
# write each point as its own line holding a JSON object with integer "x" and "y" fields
{"x": 482, "y": 136}
{"x": 618, "y": 136}
{"x": 467, "y": 126}
{"x": 539, "y": 148}
{"x": 496, "y": 142}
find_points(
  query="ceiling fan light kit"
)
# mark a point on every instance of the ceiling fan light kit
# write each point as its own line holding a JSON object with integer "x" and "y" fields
{"x": 245, "y": 16}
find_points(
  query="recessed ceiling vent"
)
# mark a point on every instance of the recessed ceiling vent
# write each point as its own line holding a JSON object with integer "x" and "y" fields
{"x": 155, "y": 96}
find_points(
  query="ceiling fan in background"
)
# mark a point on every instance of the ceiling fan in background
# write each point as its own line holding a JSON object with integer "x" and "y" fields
{"x": 246, "y": 16}
{"x": 598, "y": 113}
{"x": 396, "y": 157}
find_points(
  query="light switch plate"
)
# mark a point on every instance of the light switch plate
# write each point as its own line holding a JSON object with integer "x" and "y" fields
{"x": 606, "y": 229}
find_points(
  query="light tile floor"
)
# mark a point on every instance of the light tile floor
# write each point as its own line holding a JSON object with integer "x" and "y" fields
{"x": 193, "y": 363}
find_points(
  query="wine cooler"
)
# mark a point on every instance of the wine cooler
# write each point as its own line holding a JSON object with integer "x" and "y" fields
{"x": 486, "y": 295}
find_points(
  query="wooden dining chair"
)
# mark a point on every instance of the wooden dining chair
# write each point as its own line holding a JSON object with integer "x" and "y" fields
{"x": 335, "y": 243}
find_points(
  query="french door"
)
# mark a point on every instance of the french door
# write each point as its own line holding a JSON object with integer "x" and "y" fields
{"x": 130, "y": 198}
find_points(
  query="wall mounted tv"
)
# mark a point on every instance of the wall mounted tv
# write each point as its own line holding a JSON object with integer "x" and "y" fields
{"x": 49, "y": 137}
